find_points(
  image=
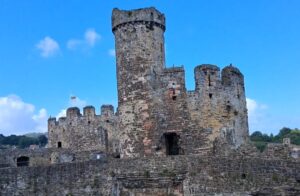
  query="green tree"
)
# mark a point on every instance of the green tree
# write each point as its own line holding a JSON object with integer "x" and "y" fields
{"x": 25, "y": 142}
{"x": 43, "y": 140}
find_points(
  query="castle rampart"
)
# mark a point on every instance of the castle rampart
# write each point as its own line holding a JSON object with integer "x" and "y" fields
{"x": 83, "y": 132}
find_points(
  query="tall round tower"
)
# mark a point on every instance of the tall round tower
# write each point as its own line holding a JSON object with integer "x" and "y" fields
{"x": 139, "y": 43}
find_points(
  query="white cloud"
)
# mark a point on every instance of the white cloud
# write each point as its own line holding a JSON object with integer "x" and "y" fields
{"x": 48, "y": 47}
{"x": 112, "y": 52}
{"x": 62, "y": 113}
{"x": 90, "y": 38}
{"x": 77, "y": 102}
{"x": 18, "y": 117}
{"x": 73, "y": 44}
{"x": 73, "y": 102}
{"x": 258, "y": 117}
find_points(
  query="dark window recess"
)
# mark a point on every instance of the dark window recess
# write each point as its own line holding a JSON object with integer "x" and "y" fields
{"x": 209, "y": 84}
{"x": 210, "y": 95}
{"x": 107, "y": 121}
{"x": 228, "y": 108}
{"x": 243, "y": 176}
{"x": 174, "y": 94}
{"x": 89, "y": 122}
{"x": 238, "y": 96}
{"x": 58, "y": 144}
{"x": 172, "y": 147}
{"x": 22, "y": 161}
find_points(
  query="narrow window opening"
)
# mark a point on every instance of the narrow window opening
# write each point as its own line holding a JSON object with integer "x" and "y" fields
{"x": 210, "y": 95}
{"x": 228, "y": 108}
{"x": 209, "y": 84}
{"x": 89, "y": 122}
{"x": 107, "y": 121}
{"x": 22, "y": 161}
{"x": 243, "y": 176}
{"x": 161, "y": 48}
{"x": 238, "y": 96}
{"x": 172, "y": 147}
{"x": 58, "y": 144}
{"x": 174, "y": 97}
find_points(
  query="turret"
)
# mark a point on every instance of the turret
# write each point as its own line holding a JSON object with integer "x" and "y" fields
{"x": 206, "y": 76}
{"x": 232, "y": 76}
{"x": 236, "y": 108}
{"x": 51, "y": 122}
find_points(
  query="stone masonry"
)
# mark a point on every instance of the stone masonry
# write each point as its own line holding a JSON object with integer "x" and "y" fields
{"x": 163, "y": 140}
{"x": 156, "y": 112}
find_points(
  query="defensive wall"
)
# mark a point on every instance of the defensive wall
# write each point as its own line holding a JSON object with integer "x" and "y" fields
{"x": 174, "y": 175}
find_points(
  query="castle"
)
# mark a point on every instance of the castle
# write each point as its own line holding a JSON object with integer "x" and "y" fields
{"x": 156, "y": 115}
{"x": 161, "y": 140}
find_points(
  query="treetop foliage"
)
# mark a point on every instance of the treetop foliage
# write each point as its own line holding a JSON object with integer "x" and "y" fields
{"x": 260, "y": 139}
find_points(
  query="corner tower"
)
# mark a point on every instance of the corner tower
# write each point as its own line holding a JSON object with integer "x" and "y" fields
{"x": 140, "y": 56}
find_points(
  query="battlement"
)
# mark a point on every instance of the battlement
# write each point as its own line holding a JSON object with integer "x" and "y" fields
{"x": 73, "y": 112}
{"x": 107, "y": 110}
{"x": 209, "y": 75}
{"x": 148, "y": 16}
{"x": 174, "y": 69}
{"x": 89, "y": 111}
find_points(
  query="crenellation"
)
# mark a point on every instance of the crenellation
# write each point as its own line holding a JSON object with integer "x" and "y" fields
{"x": 148, "y": 16}
{"x": 73, "y": 112}
{"x": 107, "y": 110}
{"x": 89, "y": 111}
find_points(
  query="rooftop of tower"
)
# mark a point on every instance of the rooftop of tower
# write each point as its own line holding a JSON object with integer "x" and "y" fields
{"x": 149, "y": 14}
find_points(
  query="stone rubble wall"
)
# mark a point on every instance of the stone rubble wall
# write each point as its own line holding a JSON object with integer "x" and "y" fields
{"x": 174, "y": 175}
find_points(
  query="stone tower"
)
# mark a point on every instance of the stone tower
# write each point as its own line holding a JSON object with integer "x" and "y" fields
{"x": 139, "y": 43}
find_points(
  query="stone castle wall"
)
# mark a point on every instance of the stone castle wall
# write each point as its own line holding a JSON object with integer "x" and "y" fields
{"x": 175, "y": 175}
{"x": 84, "y": 132}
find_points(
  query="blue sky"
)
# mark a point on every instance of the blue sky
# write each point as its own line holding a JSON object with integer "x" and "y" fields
{"x": 52, "y": 49}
